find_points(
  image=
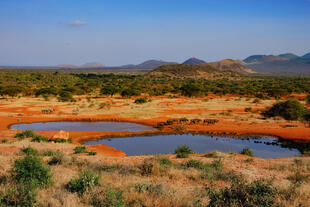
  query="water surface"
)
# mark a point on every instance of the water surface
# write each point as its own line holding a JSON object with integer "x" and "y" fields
{"x": 265, "y": 147}
{"x": 83, "y": 126}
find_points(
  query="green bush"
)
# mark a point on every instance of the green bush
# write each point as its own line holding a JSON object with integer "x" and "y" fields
{"x": 247, "y": 151}
{"x": 289, "y": 110}
{"x": 25, "y": 134}
{"x": 19, "y": 196}
{"x": 239, "y": 193}
{"x": 111, "y": 198}
{"x": 194, "y": 164}
{"x": 80, "y": 149}
{"x": 92, "y": 153}
{"x": 31, "y": 171}
{"x": 30, "y": 151}
{"x": 183, "y": 151}
{"x": 83, "y": 183}
{"x": 141, "y": 100}
{"x": 164, "y": 161}
{"x": 39, "y": 138}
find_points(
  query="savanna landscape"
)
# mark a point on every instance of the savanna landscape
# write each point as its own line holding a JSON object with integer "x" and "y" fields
{"x": 158, "y": 103}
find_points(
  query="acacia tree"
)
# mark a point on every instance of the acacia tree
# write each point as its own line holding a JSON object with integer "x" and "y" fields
{"x": 109, "y": 90}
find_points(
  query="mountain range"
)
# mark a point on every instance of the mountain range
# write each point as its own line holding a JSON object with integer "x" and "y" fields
{"x": 283, "y": 63}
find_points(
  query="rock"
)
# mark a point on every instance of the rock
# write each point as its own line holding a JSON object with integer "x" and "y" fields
{"x": 61, "y": 135}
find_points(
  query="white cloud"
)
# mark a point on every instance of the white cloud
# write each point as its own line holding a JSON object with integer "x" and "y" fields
{"x": 77, "y": 23}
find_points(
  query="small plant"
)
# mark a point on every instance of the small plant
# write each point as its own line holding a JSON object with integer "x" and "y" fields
{"x": 25, "y": 134}
{"x": 258, "y": 193}
{"x": 248, "y": 109}
{"x": 31, "y": 171}
{"x": 141, "y": 100}
{"x": 164, "y": 161}
{"x": 183, "y": 151}
{"x": 83, "y": 183}
{"x": 80, "y": 149}
{"x": 49, "y": 153}
{"x": 146, "y": 167}
{"x": 194, "y": 164}
{"x": 39, "y": 138}
{"x": 30, "y": 151}
{"x": 247, "y": 151}
{"x": 18, "y": 195}
{"x": 111, "y": 198}
{"x": 149, "y": 188}
{"x": 92, "y": 153}
{"x": 4, "y": 141}
{"x": 57, "y": 159}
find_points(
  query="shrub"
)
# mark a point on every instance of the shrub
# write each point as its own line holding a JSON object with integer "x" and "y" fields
{"x": 109, "y": 90}
{"x": 194, "y": 164}
{"x": 247, "y": 151}
{"x": 183, "y": 151}
{"x": 31, "y": 171}
{"x": 110, "y": 198}
{"x": 248, "y": 109}
{"x": 239, "y": 193}
{"x": 140, "y": 101}
{"x": 83, "y": 183}
{"x": 308, "y": 99}
{"x": 39, "y": 138}
{"x": 57, "y": 159}
{"x": 92, "y": 153}
{"x": 146, "y": 167}
{"x": 49, "y": 153}
{"x": 19, "y": 195}
{"x": 25, "y": 134}
{"x": 149, "y": 188}
{"x": 30, "y": 151}
{"x": 164, "y": 161}
{"x": 191, "y": 89}
{"x": 80, "y": 149}
{"x": 289, "y": 110}
{"x": 65, "y": 96}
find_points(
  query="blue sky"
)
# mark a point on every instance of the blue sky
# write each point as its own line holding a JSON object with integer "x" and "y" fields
{"x": 116, "y": 32}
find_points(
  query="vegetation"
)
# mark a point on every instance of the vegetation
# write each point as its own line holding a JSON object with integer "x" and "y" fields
{"x": 183, "y": 151}
{"x": 239, "y": 193}
{"x": 65, "y": 85}
{"x": 25, "y": 134}
{"x": 247, "y": 151}
{"x": 141, "y": 100}
{"x": 83, "y": 183}
{"x": 289, "y": 110}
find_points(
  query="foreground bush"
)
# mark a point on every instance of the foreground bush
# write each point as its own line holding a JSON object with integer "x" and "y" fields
{"x": 183, "y": 151}
{"x": 247, "y": 151}
{"x": 110, "y": 198}
{"x": 141, "y": 101}
{"x": 239, "y": 193}
{"x": 31, "y": 171}
{"x": 289, "y": 110}
{"x": 83, "y": 183}
{"x": 19, "y": 196}
{"x": 25, "y": 134}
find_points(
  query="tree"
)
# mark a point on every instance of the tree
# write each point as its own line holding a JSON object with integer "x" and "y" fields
{"x": 289, "y": 110}
{"x": 191, "y": 89}
{"x": 109, "y": 90}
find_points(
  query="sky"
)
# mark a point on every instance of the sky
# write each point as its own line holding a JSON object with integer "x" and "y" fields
{"x": 118, "y": 32}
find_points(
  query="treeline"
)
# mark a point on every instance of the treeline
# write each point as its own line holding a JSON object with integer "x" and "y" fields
{"x": 65, "y": 85}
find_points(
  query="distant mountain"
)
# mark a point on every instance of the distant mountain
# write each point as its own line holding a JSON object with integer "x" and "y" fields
{"x": 232, "y": 65}
{"x": 68, "y": 66}
{"x": 256, "y": 59}
{"x": 193, "y": 61}
{"x": 151, "y": 64}
{"x": 184, "y": 71}
{"x": 92, "y": 65}
{"x": 284, "y": 63}
{"x": 289, "y": 56}
{"x": 306, "y": 56}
